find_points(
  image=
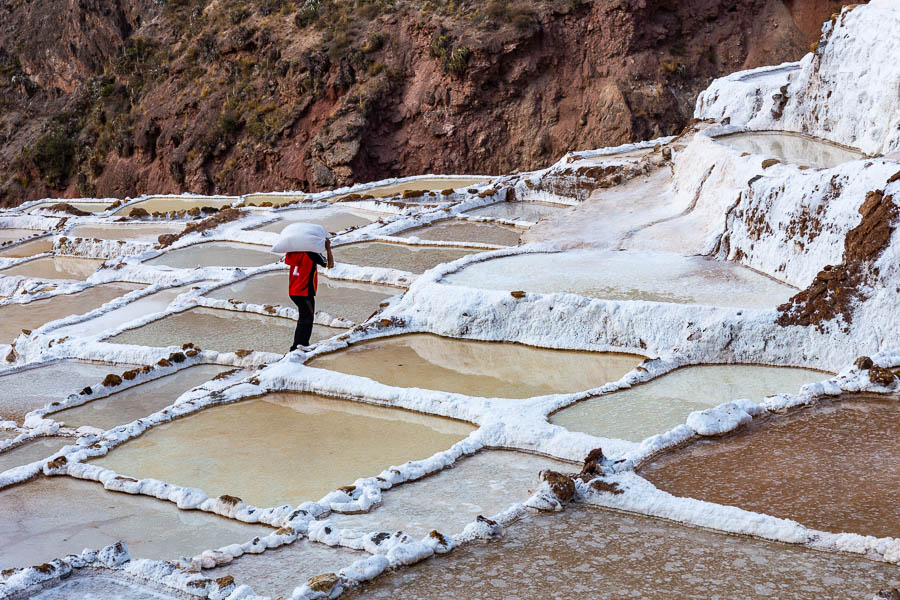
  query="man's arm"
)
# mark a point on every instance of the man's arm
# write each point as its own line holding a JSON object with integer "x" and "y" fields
{"x": 330, "y": 260}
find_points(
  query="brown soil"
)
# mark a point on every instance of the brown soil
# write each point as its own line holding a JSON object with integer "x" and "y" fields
{"x": 122, "y": 98}
{"x": 226, "y": 215}
{"x": 837, "y": 289}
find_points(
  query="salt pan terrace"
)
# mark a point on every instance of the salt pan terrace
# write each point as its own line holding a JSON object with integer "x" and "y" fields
{"x": 31, "y": 451}
{"x": 792, "y": 148}
{"x": 487, "y": 369}
{"x": 13, "y": 235}
{"x": 216, "y": 254}
{"x": 531, "y": 212}
{"x": 55, "y": 267}
{"x": 461, "y": 231}
{"x": 193, "y": 452}
{"x": 415, "y": 259}
{"x": 143, "y": 232}
{"x": 176, "y": 203}
{"x": 332, "y": 218}
{"x": 29, "y": 248}
{"x": 628, "y": 276}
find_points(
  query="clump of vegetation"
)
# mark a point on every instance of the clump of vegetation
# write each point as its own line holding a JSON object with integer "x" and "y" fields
{"x": 54, "y": 156}
{"x": 454, "y": 60}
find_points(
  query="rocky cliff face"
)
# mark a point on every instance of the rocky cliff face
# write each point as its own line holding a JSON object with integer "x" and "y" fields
{"x": 123, "y": 97}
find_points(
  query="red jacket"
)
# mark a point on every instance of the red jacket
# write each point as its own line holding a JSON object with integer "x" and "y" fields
{"x": 304, "y": 279}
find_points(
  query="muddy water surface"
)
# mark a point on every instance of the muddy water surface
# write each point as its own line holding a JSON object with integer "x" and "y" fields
{"x": 167, "y": 204}
{"x": 47, "y": 518}
{"x": 666, "y": 402}
{"x": 791, "y": 148}
{"x": 591, "y": 554}
{"x": 282, "y": 448}
{"x": 332, "y": 218}
{"x": 415, "y": 259}
{"x": 14, "y": 234}
{"x": 489, "y": 369}
{"x": 31, "y": 248}
{"x": 216, "y": 254}
{"x": 435, "y": 184}
{"x": 344, "y": 299}
{"x": 835, "y": 467}
{"x": 462, "y": 231}
{"x": 222, "y": 330}
{"x": 32, "y": 451}
{"x": 138, "y": 232}
{"x": 137, "y": 402}
{"x": 56, "y": 267}
{"x": 16, "y": 317}
{"x": 519, "y": 211}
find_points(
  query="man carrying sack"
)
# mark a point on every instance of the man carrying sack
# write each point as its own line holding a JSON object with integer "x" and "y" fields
{"x": 306, "y": 247}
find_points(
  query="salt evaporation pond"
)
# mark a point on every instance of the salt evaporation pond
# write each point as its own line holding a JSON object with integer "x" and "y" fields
{"x": 415, "y": 259}
{"x": 485, "y": 484}
{"x": 137, "y": 402}
{"x": 148, "y": 305}
{"x": 835, "y": 467}
{"x": 31, "y": 451}
{"x": 139, "y": 232}
{"x": 793, "y": 148}
{"x": 332, "y": 218}
{"x": 27, "y": 390}
{"x": 30, "y": 248}
{"x": 463, "y": 231}
{"x": 14, "y": 234}
{"x": 275, "y": 573}
{"x": 55, "y": 267}
{"x": 48, "y": 518}
{"x": 628, "y": 276}
{"x": 175, "y": 203}
{"x": 344, "y": 299}
{"x": 91, "y": 207}
{"x": 216, "y": 254}
{"x": 426, "y": 184}
{"x": 519, "y": 211}
{"x": 664, "y": 403}
{"x": 16, "y": 317}
{"x": 282, "y": 448}
{"x": 593, "y": 553}
{"x": 488, "y": 369}
{"x": 99, "y": 587}
{"x": 222, "y": 330}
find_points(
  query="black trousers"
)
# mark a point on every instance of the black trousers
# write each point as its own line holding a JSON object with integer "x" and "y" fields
{"x": 306, "y": 305}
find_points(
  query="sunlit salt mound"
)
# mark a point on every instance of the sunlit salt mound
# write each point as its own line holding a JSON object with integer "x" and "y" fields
{"x": 137, "y": 402}
{"x": 215, "y": 254}
{"x": 834, "y": 467}
{"x": 49, "y": 518}
{"x": 30, "y": 248}
{"x": 34, "y": 450}
{"x": 148, "y": 232}
{"x": 332, "y": 218}
{"x": 628, "y": 276}
{"x": 486, "y": 483}
{"x": 462, "y": 231}
{"x": 176, "y": 203}
{"x": 275, "y": 573}
{"x": 16, "y": 317}
{"x": 415, "y": 259}
{"x": 658, "y": 406}
{"x": 283, "y": 448}
{"x": 792, "y": 148}
{"x": 590, "y": 553}
{"x": 344, "y": 299}
{"x": 55, "y": 267}
{"x": 84, "y": 586}
{"x": 23, "y": 391}
{"x": 488, "y": 369}
{"x": 519, "y": 211}
{"x": 222, "y": 330}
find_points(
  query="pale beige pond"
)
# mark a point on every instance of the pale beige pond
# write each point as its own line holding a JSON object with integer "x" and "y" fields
{"x": 222, "y": 330}
{"x": 31, "y": 451}
{"x": 282, "y": 448}
{"x": 30, "y": 248}
{"x": 139, "y": 401}
{"x": 435, "y": 184}
{"x": 133, "y": 232}
{"x": 489, "y": 369}
{"x": 485, "y": 484}
{"x": 658, "y": 406}
{"x": 47, "y": 518}
{"x": 56, "y": 267}
{"x": 519, "y": 211}
{"x": 463, "y": 231}
{"x": 415, "y": 259}
{"x": 344, "y": 299}
{"x": 14, "y": 234}
{"x": 16, "y": 317}
{"x": 332, "y": 218}
{"x": 169, "y": 203}
{"x": 591, "y": 553}
{"x": 835, "y": 467}
{"x": 791, "y": 148}
{"x": 24, "y": 391}
{"x": 91, "y": 207}
{"x": 216, "y": 254}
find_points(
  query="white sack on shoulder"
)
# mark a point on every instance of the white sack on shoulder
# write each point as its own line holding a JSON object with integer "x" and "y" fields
{"x": 301, "y": 237}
